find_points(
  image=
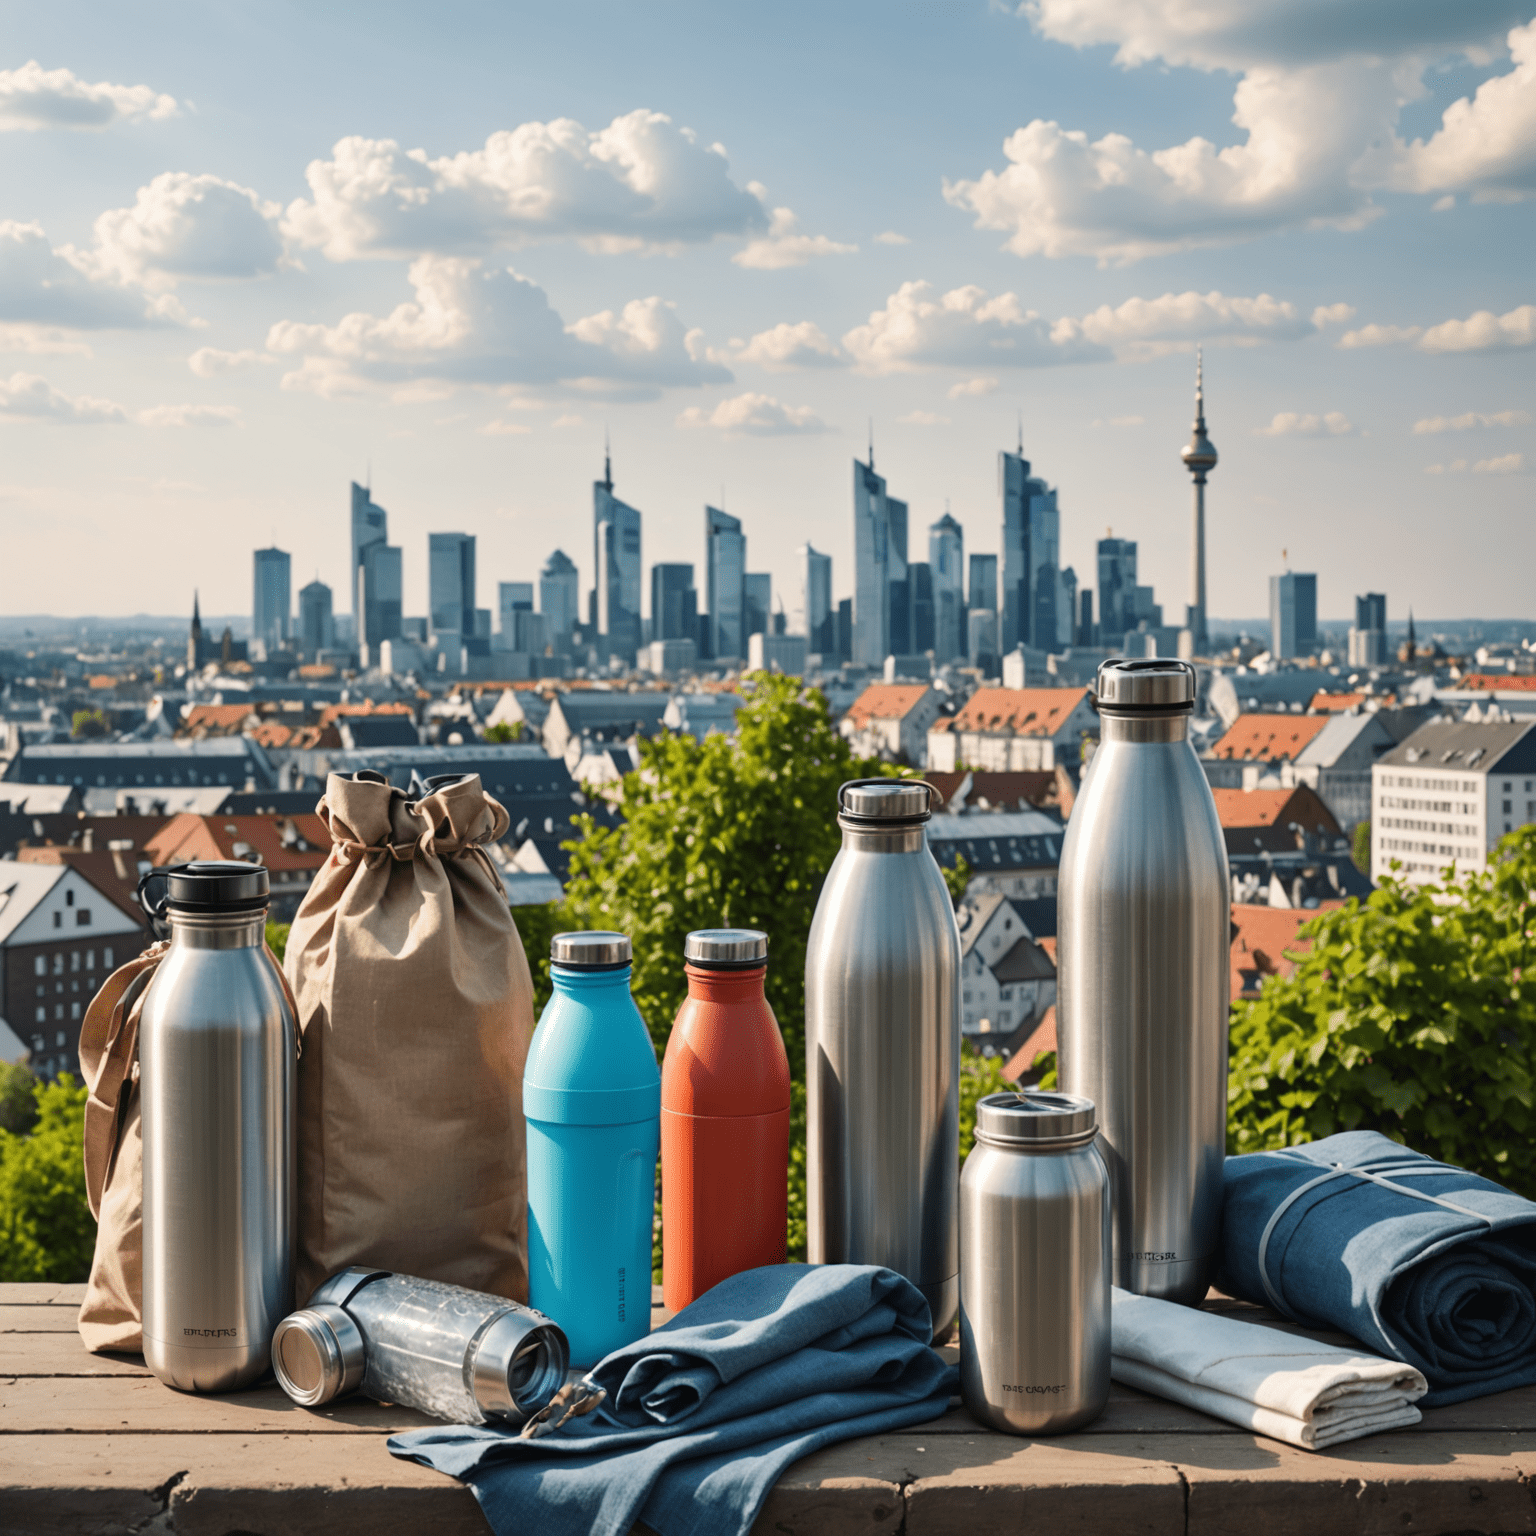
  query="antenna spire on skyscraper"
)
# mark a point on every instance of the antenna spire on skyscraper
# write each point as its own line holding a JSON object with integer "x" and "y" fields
{"x": 1021, "y": 434}
{"x": 871, "y": 442}
{"x": 607, "y": 463}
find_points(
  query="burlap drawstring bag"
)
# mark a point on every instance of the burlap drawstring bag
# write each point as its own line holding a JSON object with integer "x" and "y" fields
{"x": 114, "y": 1156}
{"x": 415, "y": 1010}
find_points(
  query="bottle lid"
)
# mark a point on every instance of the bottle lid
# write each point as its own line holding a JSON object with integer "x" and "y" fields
{"x": 1034, "y": 1119}
{"x": 594, "y": 951}
{"x": 1157, "y": 685}
{"x": 205, "y": 886}
{"x": 726, "y": 949}
{"x": 520, "y": 1362}
{"x": 876, "y": 802}
{"x": 318, "y": 1354}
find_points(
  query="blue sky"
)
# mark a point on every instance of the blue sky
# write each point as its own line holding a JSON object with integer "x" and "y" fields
{"x": 248, "y": 253}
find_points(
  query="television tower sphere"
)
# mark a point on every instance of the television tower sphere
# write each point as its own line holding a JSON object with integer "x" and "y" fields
{"x": 1200, "y": 457}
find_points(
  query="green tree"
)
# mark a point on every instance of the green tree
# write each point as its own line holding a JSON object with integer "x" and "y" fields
{"x": 18, "y": 1101}
{"x": 505, "y": 730}
{"x": 1360, "y": 852}
{"x": 89, "y": 722}
{"x": 46, "y": 1230}
{"x": 277, "y": 939}
{"x": 1412, "y": 1014}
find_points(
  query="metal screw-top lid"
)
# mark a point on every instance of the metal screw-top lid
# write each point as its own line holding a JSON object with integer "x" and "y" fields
{"x": 318, "y": 1354}
{"x": 205, "y": 886}
{"x": 595, "y": 951}
{"x": 870, "y": 802}
{"x": 1033, "y": 1119}
{"x": 726, "y": 949}
{"x": 520, "y": 1362}
{"x": 1157, "y": 685}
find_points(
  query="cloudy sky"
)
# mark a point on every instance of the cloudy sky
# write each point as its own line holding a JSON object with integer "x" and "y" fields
{"x": 249, "y": 253}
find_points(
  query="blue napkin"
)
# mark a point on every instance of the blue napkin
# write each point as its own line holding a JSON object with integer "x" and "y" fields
{"x": 1419, "y": 1261}
{"x": 703, "y": 1415}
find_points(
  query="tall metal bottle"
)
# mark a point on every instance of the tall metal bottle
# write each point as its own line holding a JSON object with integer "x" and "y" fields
{"x": 882, "y": 1048}
{"x": 216, "y": 1060}
{"x": 1142, "y": 966}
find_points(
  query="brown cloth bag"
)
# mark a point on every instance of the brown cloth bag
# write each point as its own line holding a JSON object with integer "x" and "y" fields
{"x": 114, "y": 1156}
{"x": 415, "y": 1010}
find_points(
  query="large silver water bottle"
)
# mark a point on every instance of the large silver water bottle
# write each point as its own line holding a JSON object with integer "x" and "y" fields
{"x": 216, "y": 1060}
{"x": 1142, "y": 966}
{"x": 882, "y": 1049}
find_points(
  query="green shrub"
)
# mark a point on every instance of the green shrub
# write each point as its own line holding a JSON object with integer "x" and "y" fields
{"x": 18, "y": 1101}
{"x": 46, "y": 1230}
{"x": 1360, "y": 852}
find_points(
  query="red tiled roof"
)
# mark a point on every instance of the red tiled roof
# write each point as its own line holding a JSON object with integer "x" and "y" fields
{"x": 1041, "y": 1041}
{"x": 1265, "y": 943}
{"x": 1508, "y": 682}
{"x": 885, "y": 701}
{"x": 333, "y": 712}
{"x": 1272, "y": 808}
{"x": 214, "y": 719}
{"x": 1010, "y": 789}
{"x": 1334, "y": 703}
{"x": 189, "y": 836}
{"x": 1269, "y": 738}
{"x": 1022, "y": 711}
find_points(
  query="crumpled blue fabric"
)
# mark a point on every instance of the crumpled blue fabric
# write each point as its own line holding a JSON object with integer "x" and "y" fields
{"x": 1421, "y": 1262}
{"x": 703, "y": 1415}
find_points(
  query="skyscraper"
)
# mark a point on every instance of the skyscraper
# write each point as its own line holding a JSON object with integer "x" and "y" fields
{"x": 451, "y": 583}
{"x": 272, "y": 601}
{"x": 616, "y": 563}
{"x": 725, "y": 584}
{"x": 317, "y": 622}
{"x": 1368, "y": 638}
{"x": 370, "y": 525}
{"x": 1199, "y": 459}
{"x": 1117, "y": 590}
{"x": 757, "y": 587}
{"x": 816, "y": 602}
{"x": 512, "y": 598}
{"x": 674, "y": 603}
{"x": 981, "y": 583}
{"x": 1292, "y": 614}
{"x": 559, "y": 597}
{"x": 946, "y": 564}
{"x": 880, "y": 560}
{"x": 1031, "y": 597}
{"x": 378, "y": 594}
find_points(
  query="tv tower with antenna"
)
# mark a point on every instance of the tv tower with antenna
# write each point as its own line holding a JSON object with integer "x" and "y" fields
{"x": 1199, "y": 459}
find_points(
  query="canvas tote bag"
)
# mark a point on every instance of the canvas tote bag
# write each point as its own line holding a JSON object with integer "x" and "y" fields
{"x": 415, "y": 1010}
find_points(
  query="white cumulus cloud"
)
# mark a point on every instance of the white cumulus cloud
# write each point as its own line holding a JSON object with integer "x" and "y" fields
{"x": 1151, "y": 327}
{"x": 923, "y": 419}
{"x": 891, "y": 237}
{"x": 1381, "y": 336}
{"x": 804, "y": 345}
{"x": 1483, "y": 331}
{"x": 754, "y": 415}
{"x": 1297, "y": 424}
{"x": 1432, "y": 425}
{"x": 33, "y": 97}
{"x": 971, "y": 389}
{"x": 30, "y": 395}
{"x": 210, "y": 362}
{"x": 783, "y": 245}
{"x": 44, "y": 287}
{"x": 641, "y": 183}
{"x": 189, "y": 416}
{"x": 1505, "y": 464}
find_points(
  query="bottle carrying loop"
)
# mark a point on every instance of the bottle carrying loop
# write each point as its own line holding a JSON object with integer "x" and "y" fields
{"x": 935, "y": 801}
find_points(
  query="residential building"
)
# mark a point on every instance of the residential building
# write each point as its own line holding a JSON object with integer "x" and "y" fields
{"x": 892, "y": 720}
{"x": 378, "y": 584}
{"x": 725, "y": 585}
{"x": 60, "y": 938}
{"x": 1292, "y": 615}
{"x": 776, "y": 653}
{"x": 601, "y": 716}
{"x": 1368, "y": 634}
{"x": 272, "y": 598}
{"x": 974, "y": 793}
{"x": 1259, "y": 743}
{"x": 1014, "y": 853}
{"x": 674, "y": 603}
{"x": 616, "y": 564}
{"x": 1033, "y": 608}
{"x": 317, "y": 621}
{"x": 1448, "y": 794}
{"x": 1265, "y": 944}
{"x": 1337, "y": 762}
{"x": 818, "y": 615}
{"x": 1014, "y": 729}
{"x": 451, "y": 584}
{"x": 1117, "y": 589}
{"x": 560, "y": 598}
{"x": 757, "y": 602}
{"x": 143, "y": 766}
{"x": 293, "y": 848}
{"x": 1007, "y": 980}
{"x": 370, "y": 525}
{"x": 702, "y": 714}
{"x": 1276, "y": 820}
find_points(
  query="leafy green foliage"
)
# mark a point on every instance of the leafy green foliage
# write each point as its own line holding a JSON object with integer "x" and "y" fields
{"x": 1360, "y": 852}
{"x": 979, "y": 1076}
{"x": 277, "y": 939}
{"x": 87, "y": 723}
{"x": 505, "y": 730}
{"x": 46, "y": 1230}
{"x": 1413, "y": 1014}
{"x": 18, "y": 1104}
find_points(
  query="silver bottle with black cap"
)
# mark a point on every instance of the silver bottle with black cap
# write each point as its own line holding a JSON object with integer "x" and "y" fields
{"x": 216, "y": 1059}
{"x": 1142, "y": 965}
{"x": 882, "y": 1048}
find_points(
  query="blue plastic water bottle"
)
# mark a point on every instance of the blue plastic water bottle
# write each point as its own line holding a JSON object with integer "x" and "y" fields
{"x": 592, "y": 1097}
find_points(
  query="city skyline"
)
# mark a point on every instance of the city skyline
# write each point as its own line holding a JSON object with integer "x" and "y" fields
{"x": 233, "y": 278}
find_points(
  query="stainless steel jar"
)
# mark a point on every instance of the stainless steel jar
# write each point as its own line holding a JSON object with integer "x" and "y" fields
{"x": 1034, "y": 1266}
{"x": 459, "y": 1355}
{"x": 882, "y": 1047}
{"x": 216, "y": 1060}
{"x": 1143, "y": 911}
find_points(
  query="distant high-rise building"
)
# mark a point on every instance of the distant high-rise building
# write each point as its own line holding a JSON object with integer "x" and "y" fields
{"x": 379, "y": 585}
{"x": 616, "y": 564}
{"x": 1067, "y": 619}
{"x": 1371, "y": 611}
{"x": 1087, "y": 630}
{"x": 1117, "y": 590}
{"x": 1368, "y": 637}
{"x": 845, "y": 629}
{"x": 816, "y": 602}
{"x": 1199, "y": 459}
{"x": 1032, "y": 599}
{"x": 674, "y": 603}
{"x": 451, "y": 583}
{"x": 317, "y": 622}
{"x": 981, "y": 640}
{"x": 512, "y": 598}
{"x": 981, "y": 583}
{"x": 272, "y": 602}
{"x": 757, "y": 590}
{"x": 946, "y": 565}
{"x": 370, "y": 525}
{"x": 920, "y": 631}
{"x": 725, "y": 584}
{"x": 559, "y": 597}
{"x": 1292, "y": 614}
{"x": 881, "y": 602}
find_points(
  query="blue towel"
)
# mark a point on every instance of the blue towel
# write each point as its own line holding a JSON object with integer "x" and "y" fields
{"x": 703, "y": 1415}
{"x": 1419, "y": 1261}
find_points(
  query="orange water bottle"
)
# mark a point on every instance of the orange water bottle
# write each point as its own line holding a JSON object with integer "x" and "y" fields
{"x": 724, "y": 1120}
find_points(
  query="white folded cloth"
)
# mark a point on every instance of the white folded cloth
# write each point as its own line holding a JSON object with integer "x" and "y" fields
{"x": 1293, "y": 1389}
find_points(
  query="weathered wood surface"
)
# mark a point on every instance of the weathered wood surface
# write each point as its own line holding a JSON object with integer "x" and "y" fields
{"x": 93, "y": 1444}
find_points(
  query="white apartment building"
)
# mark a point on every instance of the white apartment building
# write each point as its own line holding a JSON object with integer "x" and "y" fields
{"x": 1007, "y": 981}
{"x": 1449, "y": 793}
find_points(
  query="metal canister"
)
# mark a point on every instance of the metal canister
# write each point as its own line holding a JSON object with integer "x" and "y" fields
{"x": 217, "y": 1043}
{"x": 459, "y": 1355}
{"x": 1034, "y": 1266}
{"x": 1143, "y": 912}
{"x": 882, "y": 1049}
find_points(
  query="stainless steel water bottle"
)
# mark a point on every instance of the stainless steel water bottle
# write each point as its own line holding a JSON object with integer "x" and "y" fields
{"x": 1142, "y": 960}
{"x": 216, "y": 1059}
{"x": 460, "y": 1355}
{"x": 1034, "y": 1266}
{"x": 882, "y": 1049}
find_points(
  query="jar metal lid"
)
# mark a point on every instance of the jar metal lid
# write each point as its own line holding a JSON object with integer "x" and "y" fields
{"x": 1157, "y": 684}
{"x": 597, "y": 950}
{"x": 726, "y": 949}
{"x": 318, "y": 1354}
{"x": 205, "y": 886}
{"x": 870, "y": 802}
{"x": 1032, "y": 1119}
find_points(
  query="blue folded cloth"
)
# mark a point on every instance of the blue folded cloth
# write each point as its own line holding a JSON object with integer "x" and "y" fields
{"x": 703, "y": 1415}
{"x": 1419, "y": 1261}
